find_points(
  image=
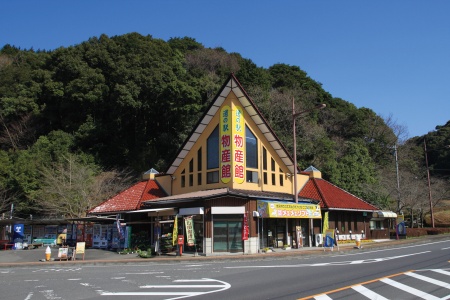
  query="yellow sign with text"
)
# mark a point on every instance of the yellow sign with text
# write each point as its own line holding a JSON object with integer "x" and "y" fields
{"x": 269, "y": 209}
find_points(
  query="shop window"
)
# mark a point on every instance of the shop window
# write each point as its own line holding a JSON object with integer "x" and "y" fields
{"x": 376, "y": 224}
{"x": 251, "y": 143}
{"x": 212, "y": 149}
{"x": 212, "y": 177}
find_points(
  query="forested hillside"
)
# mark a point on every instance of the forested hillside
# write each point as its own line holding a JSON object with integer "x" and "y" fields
{"x": 78, "y": 124}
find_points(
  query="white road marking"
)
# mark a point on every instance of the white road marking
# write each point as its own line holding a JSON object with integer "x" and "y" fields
{"x": 430, "y": 280}
{"x": 355, "y": 262}
{"x": 408, "y": 289}
{"x": 144, "y": 273}
{"x": 442, "y": 272}
{"x": 323, "y": 297}
{"x": 368, "y": 293}
{"x": 390, "y": 249}
{"x": 30, "y": 294}
{"x": 50, "y": 294}
{"x": 184, "y": 294}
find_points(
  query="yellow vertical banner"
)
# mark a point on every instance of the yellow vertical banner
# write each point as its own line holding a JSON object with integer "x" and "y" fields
{"x": 190, "y": 233}
{"x": 238, "y": 144}
{"x": 225, "y": 144}
{"x": 175, "y": 231}
{"x": 325, "y": 224}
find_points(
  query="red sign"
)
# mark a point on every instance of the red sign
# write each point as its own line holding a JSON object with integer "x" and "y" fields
{"x": 245, "y": 228}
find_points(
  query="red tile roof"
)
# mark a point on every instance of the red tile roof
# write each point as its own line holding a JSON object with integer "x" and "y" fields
{"x": 333, "y": 197}
{"x": 131, "y": 198}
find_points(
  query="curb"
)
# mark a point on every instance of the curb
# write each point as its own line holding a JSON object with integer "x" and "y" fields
{"x": 344, "y": 248}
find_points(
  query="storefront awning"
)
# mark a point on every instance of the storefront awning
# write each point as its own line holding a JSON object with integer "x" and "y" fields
{"x": 384, "y": 214}
{"x": 284, "y": 209}
{"x": 153, "y": 212}
{"x": 191, "y": 211}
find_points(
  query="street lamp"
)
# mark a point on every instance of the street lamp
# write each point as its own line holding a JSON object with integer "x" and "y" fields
{"x": 294, "y": 116}
{"x": 428, "y": 177}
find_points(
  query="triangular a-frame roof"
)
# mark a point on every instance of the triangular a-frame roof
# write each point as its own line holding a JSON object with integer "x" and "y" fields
{"x": 332, "y": 197}
{"x": 131, "y": 198}
{"x": 232, "y": 85}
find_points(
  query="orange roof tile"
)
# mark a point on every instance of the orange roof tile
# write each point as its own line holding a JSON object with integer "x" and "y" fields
{"x": 333, "y": 197}
{"x": 131, "y": 198}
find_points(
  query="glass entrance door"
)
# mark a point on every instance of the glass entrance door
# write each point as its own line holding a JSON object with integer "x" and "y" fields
{"x": 227, "y": 234}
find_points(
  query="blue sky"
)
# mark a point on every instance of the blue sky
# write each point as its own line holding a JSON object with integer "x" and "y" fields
{"x": 390, "y": 56}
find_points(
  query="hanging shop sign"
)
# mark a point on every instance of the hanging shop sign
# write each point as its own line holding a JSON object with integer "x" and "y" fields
{"x": 273, "y": 209}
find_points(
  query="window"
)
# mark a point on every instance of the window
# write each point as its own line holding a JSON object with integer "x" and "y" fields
{"x": 183, "y": 179}
{"x": 265, "y": 177}
{"x": 191, "y": 179}
{"x": 251, "y": 143}
{"x": 273, "y": 179}
{"x": 281, "y": 177}
{"x": 191, "y": 166}
{"x": 272, "y": 165}
{"x": 376, "y": 224}
{"x": 212, "y": 148}
{"x": 212, "y": 177}
{"x": 264, "y": 159}
{"x": 199, "y": 178}
{"x": 199, "y": 159}
{"x": 251, "y": 176}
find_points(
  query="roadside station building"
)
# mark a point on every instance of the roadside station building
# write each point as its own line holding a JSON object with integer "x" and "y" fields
{"x": 230, "y": 189}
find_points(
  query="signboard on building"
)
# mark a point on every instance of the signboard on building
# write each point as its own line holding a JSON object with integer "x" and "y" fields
{"x": 238, "y": 144}
{"x": 232, "y": 144}
{"x": 225, "y": 144}
{"x": 272, "y": 209}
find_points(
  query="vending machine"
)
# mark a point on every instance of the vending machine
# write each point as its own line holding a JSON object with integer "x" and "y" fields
{"x": 100, "y": 234}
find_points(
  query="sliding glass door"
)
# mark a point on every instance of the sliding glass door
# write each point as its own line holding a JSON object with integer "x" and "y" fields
{"x": 228, "y": 233}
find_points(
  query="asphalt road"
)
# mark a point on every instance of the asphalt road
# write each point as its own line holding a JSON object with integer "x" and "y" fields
{"x": 394, "y": 271}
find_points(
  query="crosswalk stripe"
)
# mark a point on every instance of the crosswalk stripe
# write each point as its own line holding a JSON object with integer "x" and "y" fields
{"x": 430, "y": 280}
{"x": 368, "y": 293}
{"x": 441, "y": 271}
{"x": 408, "y": 289}
{"x": 323, "y": 297}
